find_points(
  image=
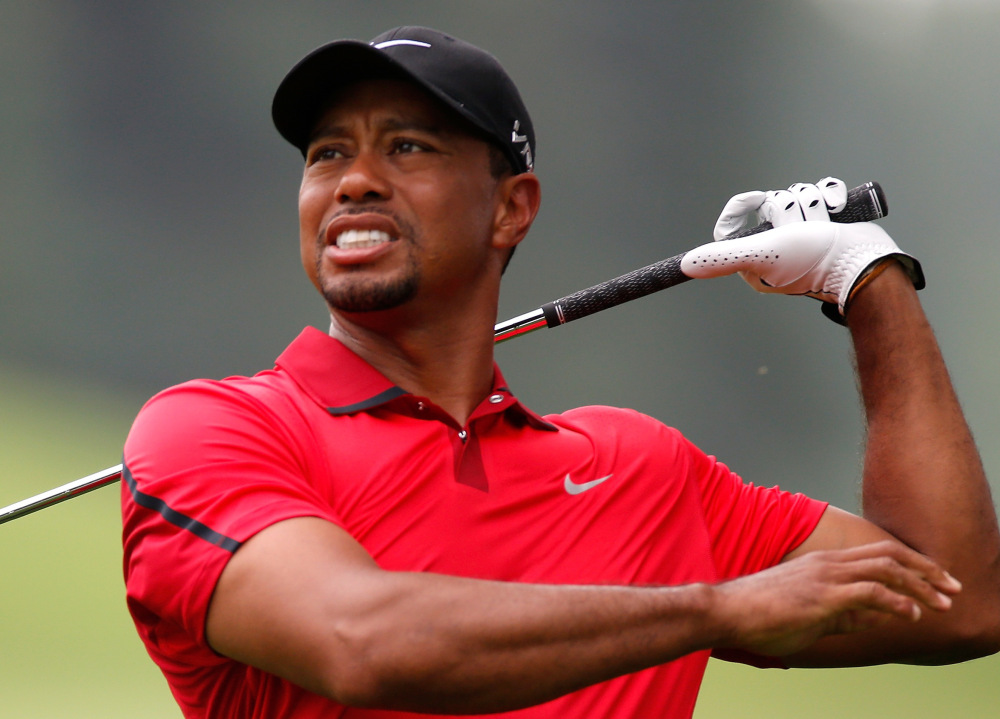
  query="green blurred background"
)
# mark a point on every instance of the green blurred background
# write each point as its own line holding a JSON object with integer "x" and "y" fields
{"x": 149, "y": 236}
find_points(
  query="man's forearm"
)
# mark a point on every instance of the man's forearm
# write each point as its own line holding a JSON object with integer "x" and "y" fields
{"x": 923, "y": 479}
{"x": 303, "y": 600}
{"x": 447, "y": 644}
{"x": 458, "y": 645}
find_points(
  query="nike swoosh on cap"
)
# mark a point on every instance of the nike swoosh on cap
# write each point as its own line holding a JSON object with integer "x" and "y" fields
{"x": 393, "y": 43}
{"x": 574, "y": 488}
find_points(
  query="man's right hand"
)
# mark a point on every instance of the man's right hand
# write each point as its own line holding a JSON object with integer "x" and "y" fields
{"x": 787, "y": 608}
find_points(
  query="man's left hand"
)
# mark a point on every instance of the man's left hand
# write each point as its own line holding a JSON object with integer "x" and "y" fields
{"x": 805, "y": 253}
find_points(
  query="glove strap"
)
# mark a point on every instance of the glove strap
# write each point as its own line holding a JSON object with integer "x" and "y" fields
{"x": 871, "y": 272}
{"x": 876, "y": 268}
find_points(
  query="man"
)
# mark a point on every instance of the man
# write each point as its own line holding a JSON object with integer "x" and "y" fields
{"x": 378, "y": 526}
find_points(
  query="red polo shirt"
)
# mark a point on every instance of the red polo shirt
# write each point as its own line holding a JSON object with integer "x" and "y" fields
{"x": 594, "y": 495}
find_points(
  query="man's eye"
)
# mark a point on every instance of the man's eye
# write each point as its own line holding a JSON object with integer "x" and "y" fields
{"x": 403, "y": 147}
{"x": 325, "y": 153}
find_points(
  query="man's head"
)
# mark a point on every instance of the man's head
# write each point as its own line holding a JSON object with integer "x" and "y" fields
{"x": 412, "y": 179}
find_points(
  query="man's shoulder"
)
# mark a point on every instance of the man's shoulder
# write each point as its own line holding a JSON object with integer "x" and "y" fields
{"x": 236, "y": 388}
{"x": 269, "y": 384}
{"x": 619, "y": 423}
{"x": 203, "y": 408}
{"x": 606, "y": 413}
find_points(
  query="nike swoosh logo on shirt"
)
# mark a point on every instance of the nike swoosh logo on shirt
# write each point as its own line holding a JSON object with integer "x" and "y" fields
{"x": 574, "y": 488}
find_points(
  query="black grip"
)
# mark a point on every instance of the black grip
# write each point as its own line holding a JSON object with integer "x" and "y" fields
{"x": 864, "y": 203}
{"x": 633, "y": 285}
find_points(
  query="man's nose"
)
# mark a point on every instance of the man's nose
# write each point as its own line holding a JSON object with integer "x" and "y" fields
{"x": 364, "y": 179}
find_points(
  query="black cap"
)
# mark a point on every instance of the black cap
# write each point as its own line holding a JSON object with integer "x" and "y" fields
{"x": 467, "y": 79}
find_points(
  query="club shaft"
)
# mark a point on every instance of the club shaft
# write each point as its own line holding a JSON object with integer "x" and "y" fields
{"x": 61, "y": 494}
{"x": 864, "y": 203}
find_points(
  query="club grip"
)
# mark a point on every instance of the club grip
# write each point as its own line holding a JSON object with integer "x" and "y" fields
{"x": 864, "y": 203}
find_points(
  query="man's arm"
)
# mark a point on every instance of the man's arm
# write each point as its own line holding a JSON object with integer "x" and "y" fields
{"x": 303, "y": 600}
{"x": 923, "y": 484}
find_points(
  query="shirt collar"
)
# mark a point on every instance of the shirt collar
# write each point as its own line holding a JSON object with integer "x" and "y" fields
{"x": 339, "y": 380}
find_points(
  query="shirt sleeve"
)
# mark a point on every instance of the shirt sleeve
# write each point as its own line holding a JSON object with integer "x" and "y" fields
{"x": 207, "y": 466}
{"x": 751, "y": 528}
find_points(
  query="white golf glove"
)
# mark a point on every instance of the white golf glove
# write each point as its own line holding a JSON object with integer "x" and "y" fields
{"x": 805, "y": 253}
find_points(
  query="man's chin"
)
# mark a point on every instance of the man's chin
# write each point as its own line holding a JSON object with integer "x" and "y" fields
{"x": 369, "y": 297}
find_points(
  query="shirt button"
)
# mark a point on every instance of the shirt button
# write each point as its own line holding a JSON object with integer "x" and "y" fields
{"x": 462, "y": 435}
{"x": 420, "y": 406}
{"x": 496, "y": 398}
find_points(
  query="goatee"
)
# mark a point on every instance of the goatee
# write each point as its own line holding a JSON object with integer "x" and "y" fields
{"x": 359, "y": 294}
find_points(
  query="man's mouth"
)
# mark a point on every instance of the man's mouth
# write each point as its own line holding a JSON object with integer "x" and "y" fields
{"x": 360, "y": 239}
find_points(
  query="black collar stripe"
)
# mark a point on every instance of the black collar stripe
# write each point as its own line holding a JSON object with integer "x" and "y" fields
{"x": 380, "y": 398}
{"x": 394, "y": 392}
{"x": 176, "y": 518}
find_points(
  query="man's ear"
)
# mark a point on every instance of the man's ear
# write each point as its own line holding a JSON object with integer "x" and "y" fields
{"x": 520, "y": 197}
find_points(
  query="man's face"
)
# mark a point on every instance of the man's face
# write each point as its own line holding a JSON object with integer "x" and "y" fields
{"x": 396, "y": 202}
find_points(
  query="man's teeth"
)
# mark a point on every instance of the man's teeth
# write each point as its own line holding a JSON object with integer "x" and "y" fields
{"x": 358, "y": 239}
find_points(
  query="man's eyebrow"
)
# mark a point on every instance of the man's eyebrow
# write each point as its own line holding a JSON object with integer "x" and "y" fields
{"x": 390, "y": 124}
{"x": 327, "y": 130}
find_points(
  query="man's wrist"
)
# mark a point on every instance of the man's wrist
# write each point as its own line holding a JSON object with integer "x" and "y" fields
{"x": 907, "y": 269}
{"x": 870, "y": 273}
{"x": 718, "y": 625}
{"x": 890, "y": 294}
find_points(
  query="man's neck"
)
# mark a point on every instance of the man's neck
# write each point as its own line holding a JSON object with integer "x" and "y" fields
{"x": 450, "y": 365}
